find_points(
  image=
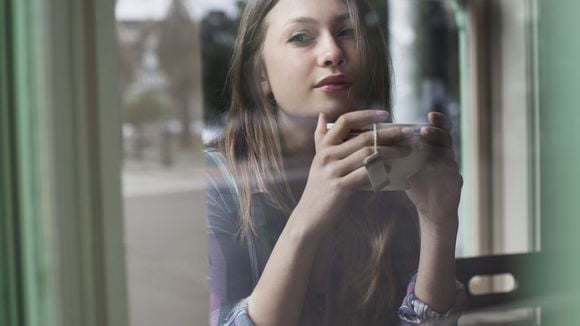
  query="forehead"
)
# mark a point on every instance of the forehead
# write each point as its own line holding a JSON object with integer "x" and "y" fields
{"x": 314, "y": 11}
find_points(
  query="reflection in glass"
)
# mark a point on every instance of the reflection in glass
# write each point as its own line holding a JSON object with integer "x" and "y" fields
{"x": 162, "y": 169}
{"x": 166, "y": 108}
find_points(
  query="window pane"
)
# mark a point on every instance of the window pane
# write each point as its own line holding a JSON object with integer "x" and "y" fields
{"x": 446, "y": 56}
{"x": 163, "y": 172}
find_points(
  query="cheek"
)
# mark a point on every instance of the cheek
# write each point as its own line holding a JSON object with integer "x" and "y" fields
{"x": 287, "y": 73}
{"x": 353, "y": 54}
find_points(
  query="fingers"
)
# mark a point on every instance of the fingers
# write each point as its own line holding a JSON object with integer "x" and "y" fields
{"x": 356, "y": 179}
{"x": 436, "y": 136}
{"x": 436, "y": 152}
{"x": 438, "y": 119}
{"x": 385, "y": 137}
{"x": 351, "y": 173}
{"x": 437, "y": 133}
{"x": 321, "y": 129}
{"x": 436, "y": 140}
{"x": 352, "y": 120}
{"x": 355, "y": 160}
{"x": 344, "y": 159}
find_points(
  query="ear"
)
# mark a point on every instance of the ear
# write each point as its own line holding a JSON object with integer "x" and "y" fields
{"x": 265, "y": 85}
{"x": 264, "y": 82}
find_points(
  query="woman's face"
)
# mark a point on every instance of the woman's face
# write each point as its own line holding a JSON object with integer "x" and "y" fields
{"x": 310, "y": 57}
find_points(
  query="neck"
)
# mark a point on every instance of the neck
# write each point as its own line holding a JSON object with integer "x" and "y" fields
{"x": 297, "y": 137}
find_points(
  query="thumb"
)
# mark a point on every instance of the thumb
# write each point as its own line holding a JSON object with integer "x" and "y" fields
{"x": 321, "y": 129}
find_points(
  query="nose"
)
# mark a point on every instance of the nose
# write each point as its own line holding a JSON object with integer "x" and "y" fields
{"x": 331, "y": 53}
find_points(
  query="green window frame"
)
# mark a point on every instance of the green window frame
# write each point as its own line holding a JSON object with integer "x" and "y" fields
{"x": 61, "y": 231}
{"x": 24, "y": 273}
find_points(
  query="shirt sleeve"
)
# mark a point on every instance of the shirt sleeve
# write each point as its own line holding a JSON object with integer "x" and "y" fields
{"x": 230, "y": 280}
{"x": 414, "y": 312}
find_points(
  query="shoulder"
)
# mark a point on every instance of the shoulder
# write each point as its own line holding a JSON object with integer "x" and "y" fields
{"x": 216, "y": 167}
{"x": 213, "y": 157}
{"x": 220, "y": 183}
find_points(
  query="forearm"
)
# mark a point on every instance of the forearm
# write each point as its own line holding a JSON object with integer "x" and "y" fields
{"x": 436, "y": 277}
{"x": 279, "y": 295}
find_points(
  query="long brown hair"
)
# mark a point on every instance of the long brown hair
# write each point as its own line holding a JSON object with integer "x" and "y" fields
{"x": 379, "y": 249}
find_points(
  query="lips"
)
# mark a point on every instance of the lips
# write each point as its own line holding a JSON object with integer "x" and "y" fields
{"x": 334, "y": 83}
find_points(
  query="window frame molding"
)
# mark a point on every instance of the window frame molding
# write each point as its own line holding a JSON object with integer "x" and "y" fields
{"x": 62, "y": 228}
{"x": 26, "y": 252}
{"x": 82, "y": 86}
{"x": 484, "y": 149}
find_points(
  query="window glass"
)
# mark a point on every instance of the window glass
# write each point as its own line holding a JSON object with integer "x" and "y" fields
{"x": 162, "y": 169}
{"x": 175, "y": 59}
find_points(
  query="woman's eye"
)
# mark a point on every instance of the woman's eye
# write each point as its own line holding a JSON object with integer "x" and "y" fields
{"x": 300, "y": 38}
{"x": 346, "y": 32}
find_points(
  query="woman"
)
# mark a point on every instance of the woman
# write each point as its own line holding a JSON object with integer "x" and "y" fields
{"x": 292, "y": 238}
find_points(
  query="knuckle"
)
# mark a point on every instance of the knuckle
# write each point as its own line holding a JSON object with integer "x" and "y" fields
{"x": 368, "y": 151}
{"x": 336, "y": 184}
{"x": 369, "y": 138}
{"x": 325, "y": 158}
{"x": 342, "y": 121}
{"x": 332, "y": 171}
{"x": 317, "y": 136}
{"x": 392, "y": 132}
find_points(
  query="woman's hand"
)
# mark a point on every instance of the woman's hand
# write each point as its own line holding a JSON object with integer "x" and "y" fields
{"x": 436, "y": 189}
{"x": 337, "y": 169}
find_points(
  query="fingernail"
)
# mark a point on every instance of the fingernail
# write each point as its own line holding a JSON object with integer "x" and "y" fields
{"x": 381, "y": 115}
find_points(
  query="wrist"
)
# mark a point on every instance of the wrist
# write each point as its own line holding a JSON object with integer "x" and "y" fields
{"x": 439, "y": 236}
{"x": 306, "y": 225}
{"x": 441, "y": 223}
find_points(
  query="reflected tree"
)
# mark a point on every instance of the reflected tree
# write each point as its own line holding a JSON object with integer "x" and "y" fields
{"x": 131, "y": 53}
{"x": 143, "y": 109}
{"x": 178, "y": 58}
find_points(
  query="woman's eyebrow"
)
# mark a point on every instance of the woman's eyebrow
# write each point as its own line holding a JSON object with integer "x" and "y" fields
{"x": 309, "y": 20}
{"x": 300, "y": 20}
